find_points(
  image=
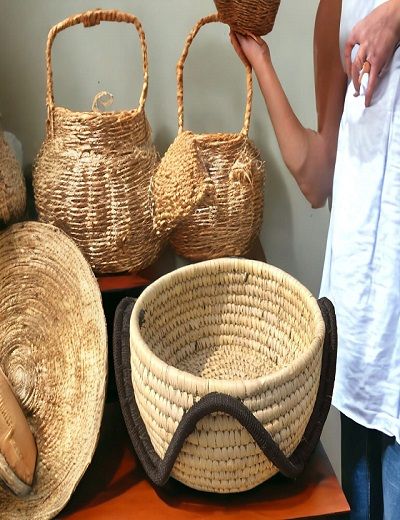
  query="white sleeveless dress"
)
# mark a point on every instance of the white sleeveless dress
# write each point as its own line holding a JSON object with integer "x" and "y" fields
{"x": 362, "y": 265}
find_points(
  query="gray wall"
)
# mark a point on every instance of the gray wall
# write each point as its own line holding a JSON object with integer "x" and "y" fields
{"x": 107, "y": 58}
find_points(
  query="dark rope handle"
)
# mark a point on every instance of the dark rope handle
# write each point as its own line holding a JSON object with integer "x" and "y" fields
{"x": 158, "y": 469}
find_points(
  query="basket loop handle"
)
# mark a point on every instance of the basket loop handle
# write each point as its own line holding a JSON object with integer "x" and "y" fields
{"x": 91, "y": 19}
{"x": 159, "y": 469}
{"x": 179, "y": 71}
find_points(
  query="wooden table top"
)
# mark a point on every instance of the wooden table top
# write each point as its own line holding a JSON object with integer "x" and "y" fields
{"x": 164, "y": 264}
{"x": 115, "y": 487}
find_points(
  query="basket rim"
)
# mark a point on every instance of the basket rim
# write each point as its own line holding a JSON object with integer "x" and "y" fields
{"x": 104, "y": 113}
{"x": 243, "y": 388}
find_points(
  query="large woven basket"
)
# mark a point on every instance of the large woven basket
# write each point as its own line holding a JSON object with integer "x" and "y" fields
{"x": 209, "y": 187}
{"x": 222, "y": 374}
{"x": 249, "y": 16}
{"x": 12, "y": 185}
{"x": 92, "y": 175}
{"x": 53, "y": 351}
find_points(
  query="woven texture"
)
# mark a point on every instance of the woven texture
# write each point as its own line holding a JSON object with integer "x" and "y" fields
{"x": 209, "y": 187}
{"x": 249, "y": 16}
{"x": 179, "y": 184}
{"x": 236, "y": 327}
{"x": 12, "y": 185}
{"x": 93, "y": 173}
{"x": 53, "y": 350}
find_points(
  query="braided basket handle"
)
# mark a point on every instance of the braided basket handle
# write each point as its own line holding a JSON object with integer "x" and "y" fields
{"x": 158, "y": 469}
{"x": 90, "y": 19}
{"x": 179, "y": 71}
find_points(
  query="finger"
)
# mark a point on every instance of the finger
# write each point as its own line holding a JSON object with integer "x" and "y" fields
{"x": 257, "y": 39}
{"x": 351, "y": 42}
{"x": 356, "y": 68}
{"x": 372, "y": 81}
{"x": 235, "y": 39}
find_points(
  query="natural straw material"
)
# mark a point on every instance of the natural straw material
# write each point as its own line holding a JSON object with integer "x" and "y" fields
{"x": 92, "y": 176}
{"x": 53, "y": 350}
{"x": 249, "y": 16}
{"x": 235, "y": 327}
{"x": 209, "y": 185}
{"x": 12, "y": 185}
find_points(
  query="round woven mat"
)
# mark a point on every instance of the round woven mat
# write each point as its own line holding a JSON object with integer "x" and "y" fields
{"x": 53, "y": 349}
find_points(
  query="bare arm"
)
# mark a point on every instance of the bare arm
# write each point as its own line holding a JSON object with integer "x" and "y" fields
{"x": 309, "y": 155}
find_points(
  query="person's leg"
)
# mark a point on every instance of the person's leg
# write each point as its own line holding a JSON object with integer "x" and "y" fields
{"x": 391, "y": 478}
{"x": 361, "y": 470}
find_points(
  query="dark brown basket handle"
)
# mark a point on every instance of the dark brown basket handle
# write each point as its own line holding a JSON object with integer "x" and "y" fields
{"x": 158, "y": 469}
{"x": 90, "y": 19}
{"x": 179, "y": 71}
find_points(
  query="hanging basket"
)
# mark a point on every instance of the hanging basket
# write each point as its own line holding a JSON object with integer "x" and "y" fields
{"x": 249, "y": 16}
{"x": 208, "y": 189}
{"x": 92, "y": 175}
{"x": 225, "y": 372}
{"x": 12, "y": 186}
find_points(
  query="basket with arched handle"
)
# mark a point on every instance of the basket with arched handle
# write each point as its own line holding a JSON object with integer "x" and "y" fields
{"x": 208, "y": 190}
{"x": 93, "y": 172}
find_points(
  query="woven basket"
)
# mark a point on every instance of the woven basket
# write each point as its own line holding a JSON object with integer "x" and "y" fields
{"x": 249, "y": 16}
{"x": 209, "y": 186}
{"x": 12, "y": 185}
{"x": 219, "y": 374}
{"x": 53, "y": 351}
{"x": 92, "y": 175}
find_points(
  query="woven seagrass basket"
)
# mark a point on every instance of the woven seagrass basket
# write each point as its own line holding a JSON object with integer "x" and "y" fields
{"x": 53, "y": 351}
{"x": 12, "y": 185}
{"x": 249, "y": 16}
{"x": 92, "y": 175}
{"x": 225, "y": 372}
{"x": 209, "y": 187}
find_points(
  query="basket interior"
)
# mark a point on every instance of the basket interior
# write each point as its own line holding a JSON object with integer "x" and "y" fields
{"x": 228, "y": 325}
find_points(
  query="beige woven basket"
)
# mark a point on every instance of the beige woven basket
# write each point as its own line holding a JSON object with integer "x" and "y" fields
{"x": 237, "y": 327}
{"x": 92, "y": 175}
{"x": 53, "y": 350}
{"x": 249, "y": 16}
{"x": 12, "y": 185}
{"x": 209, "y": 186}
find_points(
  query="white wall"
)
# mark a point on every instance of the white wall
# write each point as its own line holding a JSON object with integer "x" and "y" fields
{"x": 107, "y": 58}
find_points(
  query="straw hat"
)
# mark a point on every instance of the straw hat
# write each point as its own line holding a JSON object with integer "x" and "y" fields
{"x": 53, "y": 352}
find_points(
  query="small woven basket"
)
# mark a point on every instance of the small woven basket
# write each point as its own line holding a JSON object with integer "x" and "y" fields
{"x": 218, "y": 365}
{"x": 92, "y": 175}
{"x": 209, "y": 187}
{"x": 249, "y": 16}
{"x": 12, "y": 186}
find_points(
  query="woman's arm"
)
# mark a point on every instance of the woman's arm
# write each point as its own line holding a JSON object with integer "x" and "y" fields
{"x": 309, "y": 155}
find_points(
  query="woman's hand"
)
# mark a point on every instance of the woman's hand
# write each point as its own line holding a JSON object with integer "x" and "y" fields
{"x": 252, "y": 50}
{"x": 377, "y": 36}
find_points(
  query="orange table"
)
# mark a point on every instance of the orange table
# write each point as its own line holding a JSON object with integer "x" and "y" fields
{"x": 164, "y": 264}
{"x": 115, "y": 487}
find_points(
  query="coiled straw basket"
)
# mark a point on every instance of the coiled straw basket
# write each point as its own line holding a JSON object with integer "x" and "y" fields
{"x": 249, "y": 16}
{"x": 225, "y": 372}
{"x": 12, "y": 185}
{"x": 92, "y": 175}
{"x": 209, "y": 187}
